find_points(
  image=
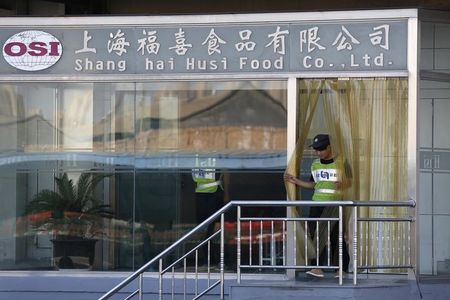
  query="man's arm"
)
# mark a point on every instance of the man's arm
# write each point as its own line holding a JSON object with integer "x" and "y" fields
{"x": 301, "y": 183}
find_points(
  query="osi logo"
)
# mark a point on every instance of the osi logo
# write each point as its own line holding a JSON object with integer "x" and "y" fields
{"x": 32, "y": 50}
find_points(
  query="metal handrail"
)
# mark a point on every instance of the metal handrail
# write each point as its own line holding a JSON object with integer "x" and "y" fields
{"x": 142, "y": 269}
{"x": 250, "y": 203}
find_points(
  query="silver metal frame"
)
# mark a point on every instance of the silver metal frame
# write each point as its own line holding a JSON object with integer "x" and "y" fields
{"x": 324, "y": 17}
{"x": 413, "y": 88}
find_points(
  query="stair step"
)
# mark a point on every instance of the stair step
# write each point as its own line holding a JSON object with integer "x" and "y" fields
{"x": 325, "y": 288}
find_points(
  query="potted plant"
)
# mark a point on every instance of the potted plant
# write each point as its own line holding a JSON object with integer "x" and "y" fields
{"x": 72, "y": 215}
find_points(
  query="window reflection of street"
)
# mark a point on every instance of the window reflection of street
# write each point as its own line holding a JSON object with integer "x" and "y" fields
{"x": 147, "y": 135}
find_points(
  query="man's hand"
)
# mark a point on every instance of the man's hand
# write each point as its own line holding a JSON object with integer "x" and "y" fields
{"x": 301, "y": 183}
{"x": 290, "y": 178}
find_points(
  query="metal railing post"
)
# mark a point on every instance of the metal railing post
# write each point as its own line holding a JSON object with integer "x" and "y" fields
{"x": 272, "y": 245}
{"x": 261, "y": 243}
{"x": 340, "y": 245}
{"x": 160, "y": 279}
{"x": 317, "y": 244}
{"x": 355, "y": 244}
{"x": 141, "y": 286}
{"x": 222, "y": 256}
{"x": 238, "y": 254}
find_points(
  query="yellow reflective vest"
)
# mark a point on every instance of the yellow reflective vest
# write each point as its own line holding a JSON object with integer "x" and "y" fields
{"x": 206, "y": 180}
{"x": 325, "y": 176}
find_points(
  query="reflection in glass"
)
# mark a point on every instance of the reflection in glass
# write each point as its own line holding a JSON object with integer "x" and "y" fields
{"x": 145, "y": 138}
{"x": 228, "y": 117}
{"x": 74, "y": 117}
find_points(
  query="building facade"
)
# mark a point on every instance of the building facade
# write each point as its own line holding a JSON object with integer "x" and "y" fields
{"x": 142, "y": 101}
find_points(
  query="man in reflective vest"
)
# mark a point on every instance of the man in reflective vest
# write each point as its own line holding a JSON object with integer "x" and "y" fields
{"x": 209, "y": 195}
{"x": 204, "y": 175}
{"x": 328, "y": 183}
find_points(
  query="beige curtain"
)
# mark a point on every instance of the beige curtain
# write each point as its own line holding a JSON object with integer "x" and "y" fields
{"x": 367, "y": 122}
{"x": 305, "y": 112}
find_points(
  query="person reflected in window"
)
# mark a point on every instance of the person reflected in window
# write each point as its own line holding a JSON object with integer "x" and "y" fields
{"x": 209, "y": 198}
{"x": 328, "y": 183}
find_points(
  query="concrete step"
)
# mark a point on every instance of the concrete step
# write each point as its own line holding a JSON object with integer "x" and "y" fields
{"x": 88, "y": 285}
{"x": 327, "y": 288}
{"x": 84, "y": 285}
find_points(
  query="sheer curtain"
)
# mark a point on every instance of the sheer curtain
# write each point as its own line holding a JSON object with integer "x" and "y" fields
{"x": 367, "y": 123}
{"x": 305, "y": 115}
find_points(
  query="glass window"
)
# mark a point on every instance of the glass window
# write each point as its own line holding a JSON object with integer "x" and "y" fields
{"x": 111, "y": 166}
{"x": 434, "y": 142}
{"x": 235, "y": 129}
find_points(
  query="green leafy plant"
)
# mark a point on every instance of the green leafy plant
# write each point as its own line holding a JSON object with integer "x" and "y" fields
{"x": 72, "y": 210}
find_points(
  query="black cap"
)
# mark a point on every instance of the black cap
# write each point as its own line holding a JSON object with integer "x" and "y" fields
{"x": 320, "y": 142}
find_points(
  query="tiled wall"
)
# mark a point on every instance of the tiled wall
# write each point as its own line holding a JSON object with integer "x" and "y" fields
{"x": 435, "y": 47}
{"x": 434, "y": 143}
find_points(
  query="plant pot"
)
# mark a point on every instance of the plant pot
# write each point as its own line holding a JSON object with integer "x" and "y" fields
{"x": 70, "y": 250}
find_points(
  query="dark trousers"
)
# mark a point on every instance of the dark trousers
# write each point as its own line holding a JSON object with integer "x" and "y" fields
{"x": 317, "y": 212}
{"x": 206, "y": 205}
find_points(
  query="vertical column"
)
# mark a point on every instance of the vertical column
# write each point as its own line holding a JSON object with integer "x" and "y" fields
{"x": 291, "y": 141}
{"x": 413, "y": 63}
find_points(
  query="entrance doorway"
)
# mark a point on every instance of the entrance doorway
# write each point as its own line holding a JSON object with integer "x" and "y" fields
{"x": 367, "y": 121}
